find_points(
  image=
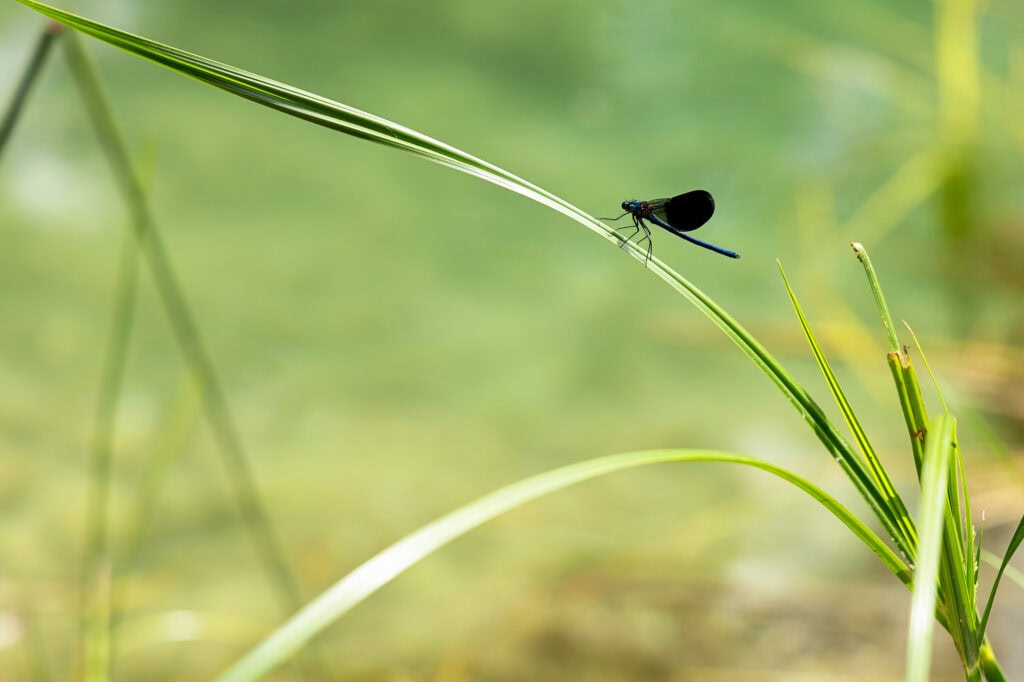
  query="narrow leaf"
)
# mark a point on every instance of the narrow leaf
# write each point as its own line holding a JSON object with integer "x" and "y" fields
{"x": 930, "y": 522}
{"x": 1015, "y": 541}
{"x": 29, "y": 77}
{"x": 876, "y": 290}
{"x": 351, "y": 121}
{"x": 886, "y": 491}
{"x": 384, "y": 567}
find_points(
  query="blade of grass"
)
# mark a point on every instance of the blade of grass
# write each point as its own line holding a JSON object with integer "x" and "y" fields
{"x": 32, "y": 70}
{"x": 917, "y": 406}
{"x": 956, "y": 587}
{"x": 365, "y": 126}
{"x": 876, "y": 291}
{"x": 966, "y": 527}
{"x": 930, "y": 522}
{"x": 956, "y": 568}
{"x": 325, "y": 112}
{"x": 958, "y": 576}
{"x": 960, "y": 544}
{"x": 989, "y": 665}
{"x": 916, "y": 433}
{"x": 898, "y": 511}
{"x": 903, "y": 375}
{"x": 1011, "y": 549}
{"x": 38, "y": 666}
{"x": 385, "y": 566}
{"x": 185, "y": 329}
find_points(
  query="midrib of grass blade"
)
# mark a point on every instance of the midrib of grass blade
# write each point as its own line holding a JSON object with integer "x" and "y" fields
{"x": 360, "y": 124}
{"x": 384, "y": 567}
{"x": 893, "y": 505}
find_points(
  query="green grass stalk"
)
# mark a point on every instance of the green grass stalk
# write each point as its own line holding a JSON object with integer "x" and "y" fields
{"x": 186, "y": 332}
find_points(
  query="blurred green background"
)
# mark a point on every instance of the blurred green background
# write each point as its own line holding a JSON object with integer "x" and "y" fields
{"x": 397, "y": 339}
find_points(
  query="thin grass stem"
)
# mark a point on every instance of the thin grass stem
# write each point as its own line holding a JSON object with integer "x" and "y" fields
{"x": 186, "y": 332}
{"x": 34, "y": 67}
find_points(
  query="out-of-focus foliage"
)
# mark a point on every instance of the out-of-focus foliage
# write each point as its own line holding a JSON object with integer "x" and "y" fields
{"x": 396, "y": 339}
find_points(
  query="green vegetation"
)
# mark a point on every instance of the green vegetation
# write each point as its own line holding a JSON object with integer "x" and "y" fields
{"x": 349, "y": 372}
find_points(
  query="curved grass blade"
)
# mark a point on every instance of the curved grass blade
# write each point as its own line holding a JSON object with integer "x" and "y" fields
{"x": 366, "y": 126}
{"x": 385, "y": 566}
{"x": 932, "y": 516}
{"x": 320, "y": 110}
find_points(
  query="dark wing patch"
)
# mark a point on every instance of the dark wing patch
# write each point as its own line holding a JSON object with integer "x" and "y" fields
{"x": 688, "y": 211}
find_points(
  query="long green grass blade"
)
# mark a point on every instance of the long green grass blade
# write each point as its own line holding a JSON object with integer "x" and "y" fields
{"x": 907, "y": 388}
{"x": 930, "y": 522}
{"x": 184, "y": 326}
{"x": 360, "y": 124}
{"x": 1011, "y": 549}
{"x": 322, "y": 111}
{"x": 956, "y": 580}
{"x": 897, "y": 511}
{"x": 958, "y": 575}
{"x": 917, "y": 406}
{"x": 384, "y": 567}
{"x": 959, "y": 496}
